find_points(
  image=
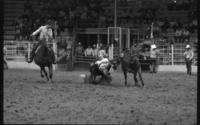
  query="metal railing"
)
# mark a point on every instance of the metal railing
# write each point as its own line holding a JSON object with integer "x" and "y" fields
{"x": 172, "y": 54}
{"x": 20, "y": 50}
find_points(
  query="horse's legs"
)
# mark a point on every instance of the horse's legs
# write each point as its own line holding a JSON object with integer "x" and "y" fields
{"x": 50, "y": 72}
{"x": 125, "y": 76}
{"x": 43, "y": 68}
{"x": 140, "y": 75}
{"x": 93, "y": 79}
{"x": 41, "y": 72}
{"x": 135, "y": 78}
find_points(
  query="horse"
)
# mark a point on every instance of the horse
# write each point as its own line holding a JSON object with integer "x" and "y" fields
{"x": 129, "y": 64}
{"x": 44, "y": 58}
{"x": 95, "y": 71}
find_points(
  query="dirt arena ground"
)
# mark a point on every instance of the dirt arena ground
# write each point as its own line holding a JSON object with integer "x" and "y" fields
{"x": 168, "y": 98}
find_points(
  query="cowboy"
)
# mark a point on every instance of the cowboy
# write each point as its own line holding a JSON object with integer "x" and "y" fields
{"x": 103, "y": 61}
{"x": 46, "y": 35}
{"x": 79, "y": 49}
{"x": 188, "y": 54}
{"x": 154, "y": 59}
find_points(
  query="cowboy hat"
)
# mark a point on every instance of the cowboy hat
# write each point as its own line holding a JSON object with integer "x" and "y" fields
{"x": 153, "y": 46}
{"x": 187, "y": 46}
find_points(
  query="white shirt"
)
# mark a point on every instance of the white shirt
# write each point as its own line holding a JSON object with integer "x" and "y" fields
{"x": 103, "y": 61}
{"x": 45, "y": 33}
{"x": 89, "y": 52}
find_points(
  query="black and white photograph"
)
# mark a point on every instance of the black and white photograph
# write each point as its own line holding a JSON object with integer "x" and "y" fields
{"x": 100, "y": 62}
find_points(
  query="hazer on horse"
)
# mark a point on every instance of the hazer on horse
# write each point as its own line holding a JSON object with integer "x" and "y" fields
{"x": 189, "y": 55}
{"x": 129, "y": 63}
{"x": 42, "y": 53}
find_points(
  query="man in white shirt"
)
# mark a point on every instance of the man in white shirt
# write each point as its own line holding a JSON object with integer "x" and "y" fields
{"x": 46, "y": 35}
{"x": 89, "y": 51}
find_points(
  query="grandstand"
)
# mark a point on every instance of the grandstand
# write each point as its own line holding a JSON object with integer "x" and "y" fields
{"x": 91, "y": 21}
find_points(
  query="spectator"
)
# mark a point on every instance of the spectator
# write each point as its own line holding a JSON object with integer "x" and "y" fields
{"x": 17, "y": 29}
{"x": 56, "y": 28}
{"x": 79, "y": 50}
{"x": 177, "y": 36}
{"x": 134, "y": 50}
{"x": 188, "y": 54}
{"x": 153, "y": 59}
{"x": 95, "y": 51}
{"x": 89, "y": 51}
{"x": 186, "y": 35}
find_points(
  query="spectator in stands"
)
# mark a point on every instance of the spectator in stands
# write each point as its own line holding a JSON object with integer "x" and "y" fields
{"x": 79, "y": 49}
{"x": 95, "y": 50}
{"x": 177, "y": 36}
{"x": 99, "y": 45}
{"x": 134, "y": 50}
{"x": 189, "y": 55}
{"x": 24, "y": 29}
{"x": 153, "y": 59}
{"x": 89, "y": 51}
{"x": 17, "y": 29}
{"x": 56, "y": 28}
{"x": 20, "y": 29}
{"x": 186, "y": 35}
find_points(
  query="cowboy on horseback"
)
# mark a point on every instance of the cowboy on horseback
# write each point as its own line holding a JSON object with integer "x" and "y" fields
{"x": 46, "y": 35}
{"x": 189, "y": 54}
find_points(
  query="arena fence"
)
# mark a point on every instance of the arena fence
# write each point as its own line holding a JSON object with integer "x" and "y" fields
{"x": 169, "y": 54}
{"x": 20, "y": 50}
{"x": 172, "y": 54}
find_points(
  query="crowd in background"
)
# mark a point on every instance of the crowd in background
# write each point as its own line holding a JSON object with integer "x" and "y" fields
{"x": 90, "y": 51}
{"x": 89, "y": 13}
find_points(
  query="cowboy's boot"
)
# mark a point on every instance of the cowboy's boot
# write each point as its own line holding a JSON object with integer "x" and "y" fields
{"x": 32, "y": 55}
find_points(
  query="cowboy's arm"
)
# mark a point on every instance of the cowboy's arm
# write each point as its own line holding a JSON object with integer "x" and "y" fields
{"x": 36, "y": 32}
